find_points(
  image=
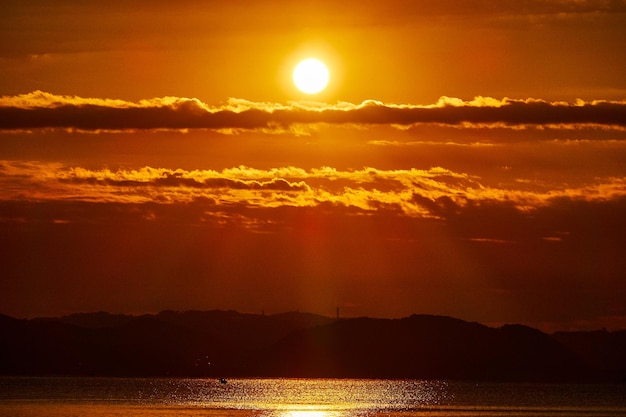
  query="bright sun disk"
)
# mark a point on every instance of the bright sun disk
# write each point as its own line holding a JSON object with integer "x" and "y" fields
{"x": 310, "y": 76}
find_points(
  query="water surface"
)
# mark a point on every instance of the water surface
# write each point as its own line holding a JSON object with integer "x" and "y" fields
{"x": 107, "y": 397}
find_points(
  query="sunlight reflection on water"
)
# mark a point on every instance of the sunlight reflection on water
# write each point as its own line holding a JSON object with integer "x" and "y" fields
{"x": 319, "y": 398}
{"x": 306, "y": 413}
{"x": 107, "y": 397}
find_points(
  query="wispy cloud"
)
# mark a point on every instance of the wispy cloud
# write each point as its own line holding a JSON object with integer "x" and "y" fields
{"x": 43, "y": 110}
{"x": 433, "y": 193}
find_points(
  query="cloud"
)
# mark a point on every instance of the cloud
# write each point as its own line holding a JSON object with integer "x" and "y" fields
{"x": 533, "y": 7}
{"x": 422, "y": 229}
{"x": 43, "y": 110}
{"x": 434, "y": 193}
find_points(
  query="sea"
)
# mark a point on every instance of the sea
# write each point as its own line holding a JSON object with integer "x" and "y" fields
{"x": 278, "y": 397}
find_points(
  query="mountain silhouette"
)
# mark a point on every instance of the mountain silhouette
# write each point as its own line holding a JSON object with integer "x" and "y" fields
{"x": 228, "y": 343}
{"x": 423, "y": 347}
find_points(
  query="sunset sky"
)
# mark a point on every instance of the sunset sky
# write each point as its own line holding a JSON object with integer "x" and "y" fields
{"x": 467, "y": 158}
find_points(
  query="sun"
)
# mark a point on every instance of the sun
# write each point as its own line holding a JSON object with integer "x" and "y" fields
{"x": 311, "y": 76}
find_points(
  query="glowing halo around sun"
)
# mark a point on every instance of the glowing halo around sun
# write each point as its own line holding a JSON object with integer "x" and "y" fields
{"x": 311, "y": 76}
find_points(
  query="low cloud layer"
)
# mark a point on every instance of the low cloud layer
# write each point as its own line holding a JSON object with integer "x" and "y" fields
{"x": 452, "y": 243}
{"x": 43, "y": 110}
{"x": 433, "y": 193}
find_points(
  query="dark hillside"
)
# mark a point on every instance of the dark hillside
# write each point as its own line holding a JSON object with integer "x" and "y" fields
{"x": 422, "y": 347}
{"x": 169, "y": 343}
{"x": 603, "y": 352}
{"x": 227, "y": 343}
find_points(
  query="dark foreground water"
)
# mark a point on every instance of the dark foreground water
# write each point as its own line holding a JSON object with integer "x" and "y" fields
{"x": 99, "y": 397}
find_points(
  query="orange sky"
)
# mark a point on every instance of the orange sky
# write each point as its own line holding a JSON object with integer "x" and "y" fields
{"x": 468, "y": 158}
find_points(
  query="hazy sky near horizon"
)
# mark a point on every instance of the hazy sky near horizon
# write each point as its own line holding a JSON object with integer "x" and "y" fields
{"x": 468, "y": 158}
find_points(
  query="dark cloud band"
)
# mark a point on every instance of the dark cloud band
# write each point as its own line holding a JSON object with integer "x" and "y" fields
{"x": 84, "y": 114}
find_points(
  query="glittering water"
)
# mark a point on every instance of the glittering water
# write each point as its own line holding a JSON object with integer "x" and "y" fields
{"x": 100, "y": 397}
